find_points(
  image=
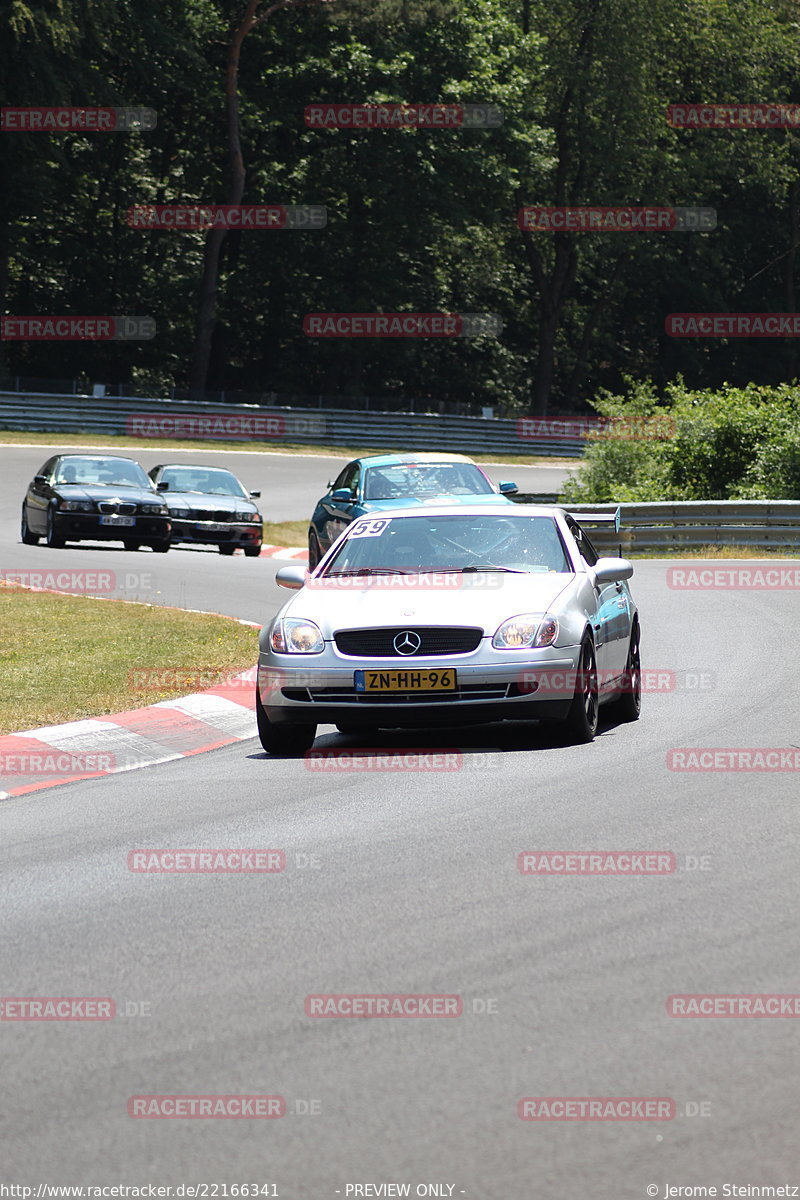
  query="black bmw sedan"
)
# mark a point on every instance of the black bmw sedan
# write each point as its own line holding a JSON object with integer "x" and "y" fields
{"x": 93, "y": 497}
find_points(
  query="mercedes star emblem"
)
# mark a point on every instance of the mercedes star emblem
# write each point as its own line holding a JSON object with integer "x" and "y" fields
{"x": 407, "y": 642}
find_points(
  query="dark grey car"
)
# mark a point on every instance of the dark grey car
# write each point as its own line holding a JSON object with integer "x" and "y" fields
{"x": 210, "y": 506}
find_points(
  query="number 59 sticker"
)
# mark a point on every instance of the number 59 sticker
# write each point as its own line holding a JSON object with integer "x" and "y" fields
{"x": 368, "y": 529}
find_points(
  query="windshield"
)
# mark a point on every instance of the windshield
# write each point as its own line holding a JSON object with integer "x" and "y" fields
{"x": 208, "y": 481}
{"x": 451, "y": 543}
{"x": 109, "y": 472}
{"x": 425, "y": 479}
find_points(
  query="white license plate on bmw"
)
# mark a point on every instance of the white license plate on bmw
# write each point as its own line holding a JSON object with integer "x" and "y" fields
{"x": 116, "y": 519}
{"x": 212, "y": 527}
{"x": 405, "y": 681}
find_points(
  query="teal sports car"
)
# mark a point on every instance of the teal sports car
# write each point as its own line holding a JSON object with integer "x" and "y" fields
{"x": 383, "y": 482}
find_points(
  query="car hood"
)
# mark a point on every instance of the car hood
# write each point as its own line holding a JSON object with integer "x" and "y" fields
{"x": 89, "y": 491}
{"x": 484, "y": 600}
{"x": 207, "y": 500}
{"x": 434, "y": 501}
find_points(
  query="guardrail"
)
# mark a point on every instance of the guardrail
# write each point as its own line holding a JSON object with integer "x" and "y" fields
{"x": 680, "y": 525}
{"x": 148, "y": 419}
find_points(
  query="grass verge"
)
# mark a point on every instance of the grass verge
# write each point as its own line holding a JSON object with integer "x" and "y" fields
{"x": 13, "y": 437}
{"x": 285, "y": 533}
{"x": 64, "y": 658}
{"x": 788, "y": 552}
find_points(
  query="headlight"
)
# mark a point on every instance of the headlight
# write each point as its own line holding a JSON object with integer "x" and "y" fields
{"x": 245, "y": 516}
{"x": 154, "y": 508}
{"x": 528, "y": 631}
{"x": 180, "y": 512}
{"x": 292, "y": 635}
{"x": 76, "y": 506}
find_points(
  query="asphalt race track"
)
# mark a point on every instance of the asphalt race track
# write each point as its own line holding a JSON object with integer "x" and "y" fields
{"x": 407, "y": 882}
{"x": 290, "y": 484}
{"x": 188, "y": 577}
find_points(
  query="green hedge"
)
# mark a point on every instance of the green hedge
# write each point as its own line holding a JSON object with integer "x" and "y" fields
{"x": 734, "y": 444}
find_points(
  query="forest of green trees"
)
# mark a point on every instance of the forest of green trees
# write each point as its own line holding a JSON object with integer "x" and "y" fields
{"x": 418, "y": 220}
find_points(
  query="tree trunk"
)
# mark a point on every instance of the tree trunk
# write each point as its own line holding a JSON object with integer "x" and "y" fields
{"x": 215, "y": 238}
{"x": 589, "y": 326}
{"x": 791, "y": 258}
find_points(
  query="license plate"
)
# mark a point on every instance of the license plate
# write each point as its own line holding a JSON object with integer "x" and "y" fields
{"x": 212, "y": 527}
{"x": 405, "y": 681}
{"x": 116, "y": 519}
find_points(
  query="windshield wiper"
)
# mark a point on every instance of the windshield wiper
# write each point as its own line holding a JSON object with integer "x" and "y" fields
{"x": 492, "y": 567}
{"x": 368, "y": 571}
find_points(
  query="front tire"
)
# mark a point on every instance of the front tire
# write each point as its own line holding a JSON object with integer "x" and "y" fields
{"x": 26, "y": 537}
{"x": 580, "y": 724}
{"x": 286, "y": 741}
{"x": 54, "y": 539}
{"x": 160, "y": 547}
{"x": 225, "y": 548}
{"x": 314, "y": 550}
{"x": 131, "y": 545}
{"x": 252, "y": 551}
{"x": 629, "y": 705}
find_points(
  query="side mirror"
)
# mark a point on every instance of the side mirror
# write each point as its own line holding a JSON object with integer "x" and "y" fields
{"x": 162, "y": 486}
{"x": 291, "y": 577}
{"x": 612, "y": 570}
{"x": 507, "y": 488}
{"x": 255, "y": 495}
{"x": 40, "y": 479}
{"x": 344, "y": 495}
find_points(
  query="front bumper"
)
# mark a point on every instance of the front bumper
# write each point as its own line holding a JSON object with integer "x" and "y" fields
{"x": 235, "y": 533}
{"x": 496, "y": 688}
{"x": 85, "y": 527}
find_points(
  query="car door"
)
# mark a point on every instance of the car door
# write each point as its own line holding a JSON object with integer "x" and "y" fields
{"x": 38, "y": 497}
{"x": 608, "y": 615}
{"x": 339, "y": 513}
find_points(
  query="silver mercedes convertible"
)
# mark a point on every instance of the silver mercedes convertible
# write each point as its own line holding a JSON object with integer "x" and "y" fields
{"x": 446, "y": 618}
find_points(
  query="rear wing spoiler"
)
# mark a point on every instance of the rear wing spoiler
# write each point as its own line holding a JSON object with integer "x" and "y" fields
{"x": 585, "y": 518}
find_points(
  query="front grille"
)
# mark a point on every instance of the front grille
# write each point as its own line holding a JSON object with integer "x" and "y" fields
{"x": 212, "y": 514}
{"x": 125, "y": 508}
{"x": 345, "y": 695}
{"x": 434, "y": 639}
